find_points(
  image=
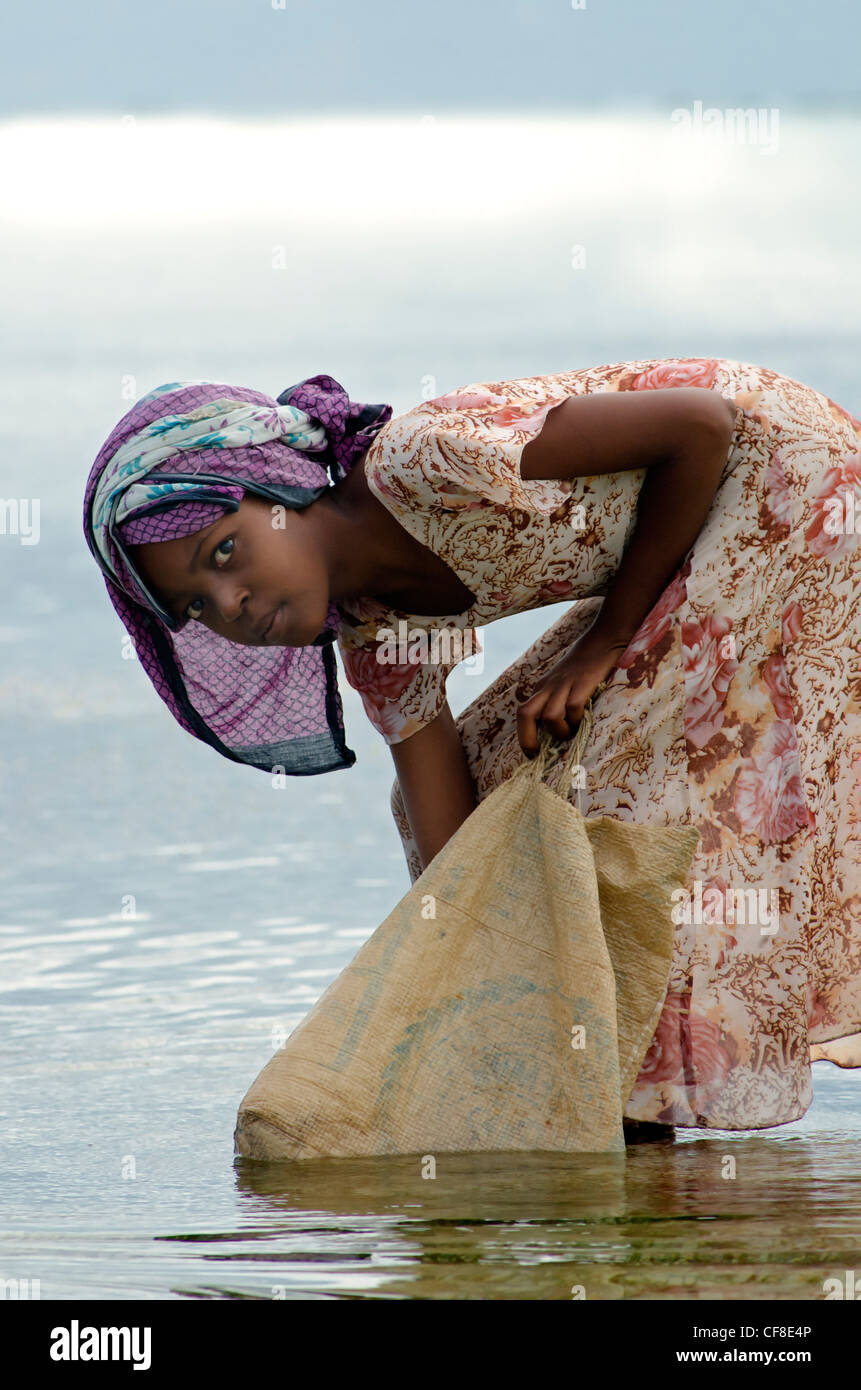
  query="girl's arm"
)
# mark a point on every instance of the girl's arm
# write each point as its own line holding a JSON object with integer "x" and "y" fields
{"x": 435, "y": 781}
{"x": 682, "y": 435}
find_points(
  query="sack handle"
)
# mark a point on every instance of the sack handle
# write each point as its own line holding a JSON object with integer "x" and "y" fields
{"x": 539, "y": 763}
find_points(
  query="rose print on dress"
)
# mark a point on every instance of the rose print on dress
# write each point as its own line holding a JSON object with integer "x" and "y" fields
{"x": 711, "y": 1056}
{"x": 663, "y": 1061}
{"x": 379, "y": 684}
{"x": 556, "y": 589}
{"x": 836, "y": 511}
{"x": 385, "y": 716}
{"x": 775, "y": 676}
{"x": 777, "y": 507}
{"x": 769, "y": 799}
{"x": 691, "y": 371}
{"x": 687, "y": 1048}
{"x": 653, "y": 638}
{"x": 387, "y": 679}
{"x": 792, "y": 622}
{"x": 709, "y": 670}
{"x": 522, "y": 413}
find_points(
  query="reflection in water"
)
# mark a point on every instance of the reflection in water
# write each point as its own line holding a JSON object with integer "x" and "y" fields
{"x": 661, "y": 1221}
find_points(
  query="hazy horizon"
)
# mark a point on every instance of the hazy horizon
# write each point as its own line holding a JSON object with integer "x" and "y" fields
{"x": 318, "y": 56}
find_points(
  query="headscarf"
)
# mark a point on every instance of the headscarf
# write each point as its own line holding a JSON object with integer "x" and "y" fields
{"x": 185, "y": 454}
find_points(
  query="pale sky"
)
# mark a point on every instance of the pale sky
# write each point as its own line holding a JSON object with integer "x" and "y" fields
{"x": 286, "y": 56}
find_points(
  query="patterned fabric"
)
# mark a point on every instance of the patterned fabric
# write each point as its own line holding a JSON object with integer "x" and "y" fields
{"x": 184, "y": 454}
{"x": 736, "y": 707}
{"x": 126, "y": 485}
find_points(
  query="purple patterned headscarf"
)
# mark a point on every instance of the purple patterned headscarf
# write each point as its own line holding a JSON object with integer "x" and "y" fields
{"x": 186, "y": 453}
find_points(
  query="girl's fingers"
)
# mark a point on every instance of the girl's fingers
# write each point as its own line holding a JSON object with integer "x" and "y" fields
{"x": 574, "y": 711}
{"x": 554, "y": 715}
{"x": 527, "y": 726}
{"x": 547, "y": 708}
{"x": 557, "y": 708}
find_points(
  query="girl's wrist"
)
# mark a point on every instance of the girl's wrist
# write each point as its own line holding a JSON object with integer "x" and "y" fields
{"x": 603, "y": 641}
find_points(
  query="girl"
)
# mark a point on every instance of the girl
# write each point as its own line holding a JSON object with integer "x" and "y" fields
{"x": 698, "y": 513}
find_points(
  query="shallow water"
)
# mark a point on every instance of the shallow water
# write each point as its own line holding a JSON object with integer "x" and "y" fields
{"x": 128, "y": 1044}
{"x": 166, "y": 917}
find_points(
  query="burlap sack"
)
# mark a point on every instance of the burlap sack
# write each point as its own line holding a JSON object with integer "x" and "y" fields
{"x": 506, "y": 1003}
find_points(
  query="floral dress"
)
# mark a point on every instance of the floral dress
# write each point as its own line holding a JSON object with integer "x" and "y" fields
{"x": 736, "y": 707}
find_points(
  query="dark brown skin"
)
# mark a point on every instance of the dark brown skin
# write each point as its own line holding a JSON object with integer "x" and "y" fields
{"x": 348, "y": 545}
{"x": 345, "y": 545}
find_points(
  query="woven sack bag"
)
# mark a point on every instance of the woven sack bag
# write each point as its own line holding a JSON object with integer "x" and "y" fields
{"x": 508, "y": 1000}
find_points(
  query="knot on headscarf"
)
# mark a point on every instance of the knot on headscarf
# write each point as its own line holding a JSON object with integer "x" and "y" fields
{"x": 184, "y": 454}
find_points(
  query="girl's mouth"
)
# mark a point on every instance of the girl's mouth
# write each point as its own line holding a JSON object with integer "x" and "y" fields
{"x": 273, "y": 622}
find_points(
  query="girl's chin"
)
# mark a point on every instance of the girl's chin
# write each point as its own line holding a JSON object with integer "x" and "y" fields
{"x": 285, "y": 634}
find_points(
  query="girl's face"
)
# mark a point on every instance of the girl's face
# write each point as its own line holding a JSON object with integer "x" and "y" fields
{"x": 234, "y": 574}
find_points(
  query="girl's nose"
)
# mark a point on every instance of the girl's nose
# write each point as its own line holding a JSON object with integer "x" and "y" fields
{"x": 228, "y": 599}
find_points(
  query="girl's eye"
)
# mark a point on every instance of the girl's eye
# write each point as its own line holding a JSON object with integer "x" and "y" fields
{"x": 228, "y": 540}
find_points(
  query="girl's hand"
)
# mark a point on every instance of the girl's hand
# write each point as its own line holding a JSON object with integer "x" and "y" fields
{"x": 558, "y": 703}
